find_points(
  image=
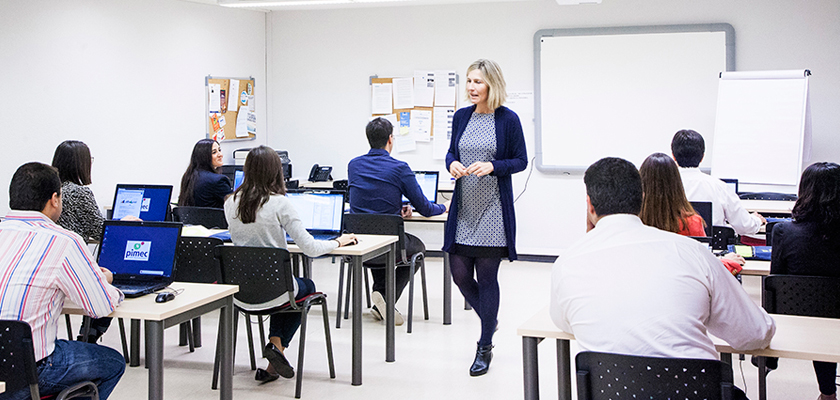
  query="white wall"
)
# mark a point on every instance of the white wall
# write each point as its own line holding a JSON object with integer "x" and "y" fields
{"x": 320, "y": 61}
{"x": 125, "y": 77}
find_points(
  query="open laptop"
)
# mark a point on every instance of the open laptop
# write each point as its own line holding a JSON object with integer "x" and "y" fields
{"x": 147, "y": 202}
{"x": 321, "y": 211}
{"x": 428, "y": 181}
{"x": 141, "y": 255}
{"x": 238, "y": 177}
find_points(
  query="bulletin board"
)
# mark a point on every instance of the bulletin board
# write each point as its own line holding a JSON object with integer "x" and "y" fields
{"x": 398, "y": 111}
{"x": 231, "y": 122}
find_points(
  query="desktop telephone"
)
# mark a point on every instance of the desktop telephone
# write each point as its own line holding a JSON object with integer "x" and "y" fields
{"x": 319, "y": 173}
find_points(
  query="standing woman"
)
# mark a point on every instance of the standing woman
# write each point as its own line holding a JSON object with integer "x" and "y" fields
{"x": 201, "y": 185}
{"x": 80, "y": 213}
{"x": 259, "y": 214}
{"x": 487, "y": 148}
{"x": 810, "y": 244}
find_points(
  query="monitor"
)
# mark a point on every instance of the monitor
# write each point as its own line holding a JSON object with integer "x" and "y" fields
{"x": 732, "y": 183}
{"x": 147, "y": 202}
{"x": 320, "y": 211}
{"x": 139, "y": 248}
{"x": 238, "y": 176}
{"x": 428, "y": 181}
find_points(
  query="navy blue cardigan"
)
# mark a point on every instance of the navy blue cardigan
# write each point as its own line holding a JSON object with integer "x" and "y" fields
{"x": 511, "y": 157}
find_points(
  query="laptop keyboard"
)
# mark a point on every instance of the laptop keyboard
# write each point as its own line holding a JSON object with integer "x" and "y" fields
{"x": 317, "y": 236}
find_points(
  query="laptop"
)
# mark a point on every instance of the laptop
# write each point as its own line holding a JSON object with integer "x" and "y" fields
{"x": 140, "y": 254}
{"x": 238, "y": 177}
{"x": 732, "y": 183}
{"x": 428, "y": 181}
{"x": 321, "y": 211}
{"x": 147, "y": 202}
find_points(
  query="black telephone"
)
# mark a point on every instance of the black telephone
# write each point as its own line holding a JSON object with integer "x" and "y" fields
{"x": 319, "y": 173}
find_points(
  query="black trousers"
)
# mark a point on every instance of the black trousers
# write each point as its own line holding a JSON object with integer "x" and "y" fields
{"x": 413, "y": 245}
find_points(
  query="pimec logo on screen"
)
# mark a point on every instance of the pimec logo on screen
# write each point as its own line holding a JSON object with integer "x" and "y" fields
{"x": 137, "y": 250}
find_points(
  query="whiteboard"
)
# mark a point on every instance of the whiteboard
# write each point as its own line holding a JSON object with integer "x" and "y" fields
{"x": 624, "y": 91}
{"x": 762, "y": 132}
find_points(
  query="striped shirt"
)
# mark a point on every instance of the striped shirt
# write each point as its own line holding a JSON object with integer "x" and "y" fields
{"x": 41, "y": 263}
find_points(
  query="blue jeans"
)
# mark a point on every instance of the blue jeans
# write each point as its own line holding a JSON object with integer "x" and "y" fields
{"x": 284, "y": 325}
{"x": 72, "y": 362}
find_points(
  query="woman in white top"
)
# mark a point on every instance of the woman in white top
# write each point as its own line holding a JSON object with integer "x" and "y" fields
{"x": 259, "y": 214}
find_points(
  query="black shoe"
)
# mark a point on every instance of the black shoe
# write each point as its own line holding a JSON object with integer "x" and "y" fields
{"x": 265, "y": 376}
{"x": 278, "y": 361}
{"x": 770, "y": 363}
{"x": 92, "y": 338}
{"x": 483, "y": 355}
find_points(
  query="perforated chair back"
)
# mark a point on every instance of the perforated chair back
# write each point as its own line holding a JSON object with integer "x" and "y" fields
{"x": 722, "y": 237}
{"x": 810, "y": 296}
{"x": 196, "y": 260}
{"x": 208, "y": 217}
{"x": 602, "y": 376}
{"x": 768, "y": 232}
{"x": 262, "y": 273}
{"x": 378, "y": 224}
{"x": 17, "y": 356}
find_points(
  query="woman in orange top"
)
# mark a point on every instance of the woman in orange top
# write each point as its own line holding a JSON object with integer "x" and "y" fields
{"x": 665, "y": 206}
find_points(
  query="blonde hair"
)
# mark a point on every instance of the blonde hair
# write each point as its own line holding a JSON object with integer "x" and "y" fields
{"x": 496, "y": 92}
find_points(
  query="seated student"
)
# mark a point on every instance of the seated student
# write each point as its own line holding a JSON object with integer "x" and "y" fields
{"x": 664, "y": 205}
{"x": 672, "y": 290}
{"x": 810, "y": 244}
{"x": 377, "y": 183}
{"x": 259, "y": 214}
{"x": 688, "y": 148}
{"x": 201, "y": 185}
{"x": 41, "y": 265}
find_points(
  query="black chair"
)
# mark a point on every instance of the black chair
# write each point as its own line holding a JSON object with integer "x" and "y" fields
{"x": 196, "y": 262}
{"x": 264, "y": 275}
{"x": 210, "y": 218}
{"x": 18, "y": 369}
{"x": 384, "y": 224}
{"x": 810, "y": 296}
{"x": 722, "y": 237}
{"x": 602, "y": 376}
{"x": 704, "y": 208}
{"x": 768, "y": 233}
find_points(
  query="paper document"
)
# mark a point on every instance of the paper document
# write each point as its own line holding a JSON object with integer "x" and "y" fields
{"x": 442, "y": 131}
{"x": 233, "y": 95}
{"x": 403, "y": 93}
{"x": 252, "y": 124}
{"x": 445, "y": 88}
{"x": 214, "y": 96}
{"x": 424, "y": 88}
{"x": 421, "y": 125}
{"x": 242, "y": 123}
{"x": 380, "y": 98}
{"x": 129, "y": 204}
{"x": 405, "y": 123}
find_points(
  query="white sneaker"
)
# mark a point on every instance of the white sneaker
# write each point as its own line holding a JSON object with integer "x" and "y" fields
{"x": 379, "y": 304}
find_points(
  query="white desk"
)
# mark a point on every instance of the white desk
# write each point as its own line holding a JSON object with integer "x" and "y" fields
{"x": 768, "y": 206}
{"x": 196, "y": 299}
{"x": 805, "y": 338}
{"x": 756, "y": 268}
{"x": 304, "y": 184}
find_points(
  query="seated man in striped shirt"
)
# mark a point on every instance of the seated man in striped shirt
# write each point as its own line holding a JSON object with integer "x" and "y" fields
{"x": 41, "y": 264}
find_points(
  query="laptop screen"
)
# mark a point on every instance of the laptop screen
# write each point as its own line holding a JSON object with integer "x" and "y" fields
{"x": 238, "y": 176}
{"x": 319, "y": 211}
{"x": 145, "y": 249}
{"x": 428, "y": 181}
{"x": 147, "y": 202}
{"x": 732, "y": 184}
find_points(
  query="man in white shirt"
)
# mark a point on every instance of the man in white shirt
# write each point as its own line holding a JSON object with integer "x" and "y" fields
{"x": 632, "y": 289}
{"x": 688, "y": 149}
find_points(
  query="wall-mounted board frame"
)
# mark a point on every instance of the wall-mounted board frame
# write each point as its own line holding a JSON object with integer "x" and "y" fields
{"x": 229, "y": 108}
{"x": 624, "y": 91}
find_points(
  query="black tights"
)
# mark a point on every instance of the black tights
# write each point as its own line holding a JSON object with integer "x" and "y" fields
{"x": 483, "y": 294}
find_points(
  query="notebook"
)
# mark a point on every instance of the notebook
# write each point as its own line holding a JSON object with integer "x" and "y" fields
{"x": 147, "y": 202}
{"x": 428, "y": 181}
{"x": 140, "y": 254}
{"x": 322, "y": 212}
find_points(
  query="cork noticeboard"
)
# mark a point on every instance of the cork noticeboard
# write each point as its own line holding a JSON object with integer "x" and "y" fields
{"x": 232, "y": 121}
{"x": 397, "y": 110}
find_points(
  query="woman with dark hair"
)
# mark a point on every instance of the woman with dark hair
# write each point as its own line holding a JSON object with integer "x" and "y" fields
{"x": 487, "y": 147}
{"x": 80, "y": 213}
{"x": 201, "y": 185}
{"x": 810, "y": 244}
{"x": 259, "y": 214}
{"x": 664, "y": 204}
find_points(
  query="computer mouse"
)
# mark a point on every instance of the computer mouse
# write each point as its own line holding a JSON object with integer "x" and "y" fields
{"x": 164, "y": 297}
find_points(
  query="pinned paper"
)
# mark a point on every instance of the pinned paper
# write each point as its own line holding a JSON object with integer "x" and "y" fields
{"x": 233, "y": 98}
{"x": 213, "y": 93}
{"x": 405, "y": 123}
{"x": 445, "y": 88}
{"x": 442, "y": 131}
{"x": 214, "y": 121}
{"x": 424, "y": 88}
{"x": 421, "y": 125}
{"x": 403, "y": 93}
{"x": 242, "y": 123}
{"x": 252, "y": 123}
{"x": 381, "y": 98}
{"x": 222, "y": 122}
{"x": 252, "y": 107}
{"x": 243, "y": 97}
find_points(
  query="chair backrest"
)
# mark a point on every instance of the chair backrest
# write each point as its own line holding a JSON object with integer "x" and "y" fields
{"x": 377, "y": 224}
{"x": 722, "y": 237}
{"x": 344, "y": 185}
{"x": 262, "y": 273}
{"x": 704, "y": 208}
{"x": 602, "y": 376}
{"x": 196, "y": 260}
{"x": 768, "y": 232}
{"x": 17, "y": 357}
{"x": 210, "y": 218}
{"x": 811, "y": 296}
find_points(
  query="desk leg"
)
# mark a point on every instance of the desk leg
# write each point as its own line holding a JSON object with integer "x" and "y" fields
{"x": 134, "y": 354}
{"x": 356, "y": 262}
{"x": 307, "y": 267}
{"x": 226, "y": 338}
{"x": 564, "y": 370}
{"x": 762, "y": 378}
{"x": 390, "y": 301}
{"x": 530, "y": 367}
{"x": 447, "y": 290}
{"x": 154, "y": 350}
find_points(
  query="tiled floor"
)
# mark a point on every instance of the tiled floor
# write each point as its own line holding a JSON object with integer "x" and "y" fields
{"x": 432, "y": 362}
